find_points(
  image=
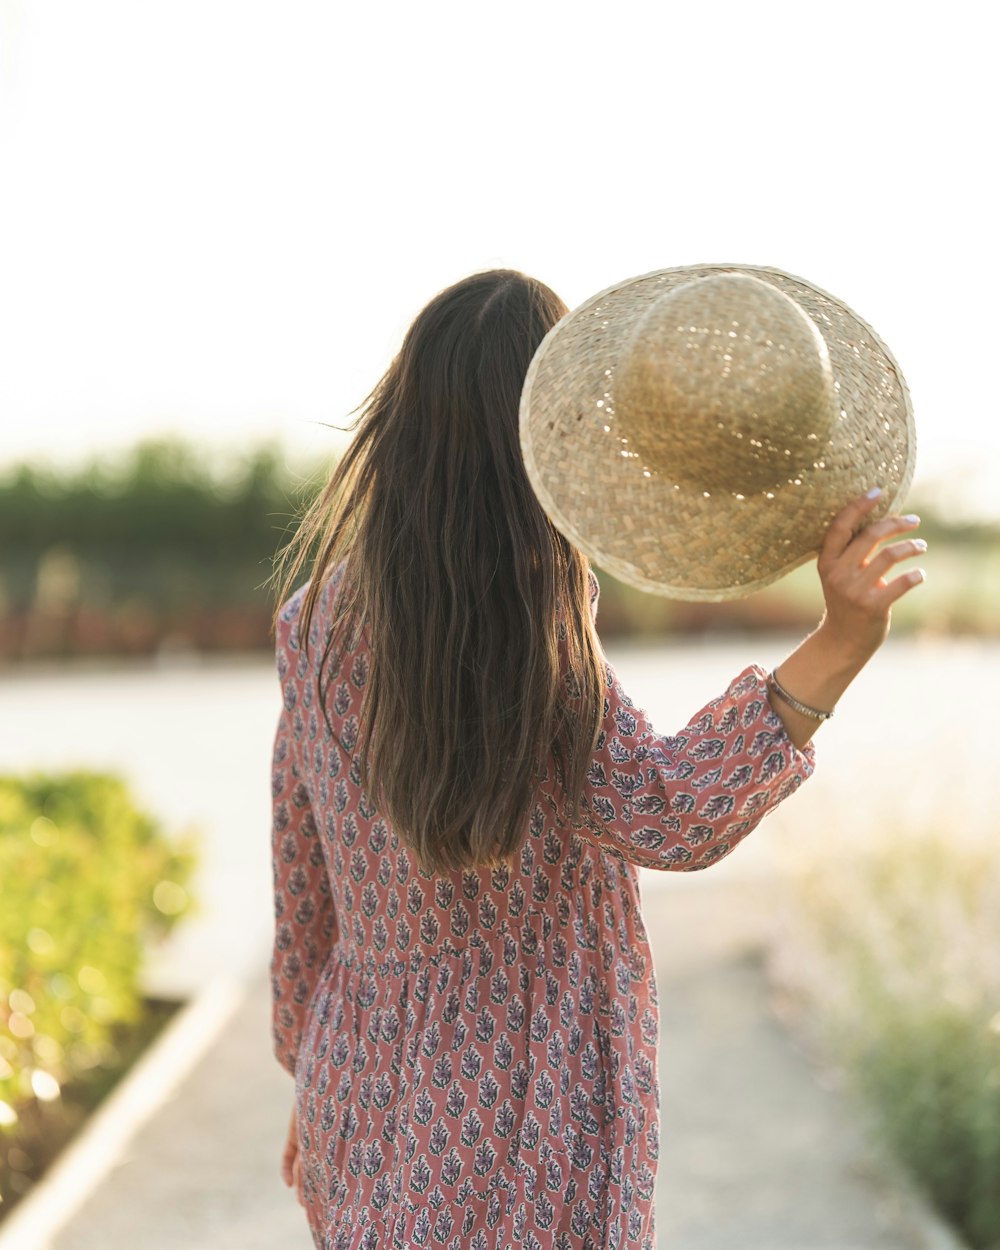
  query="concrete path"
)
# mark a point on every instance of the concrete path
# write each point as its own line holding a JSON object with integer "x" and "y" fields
{"x": 758, "y": 1151}
{"x": 202, "y": 1173}
{"x": 759, "y": 1148}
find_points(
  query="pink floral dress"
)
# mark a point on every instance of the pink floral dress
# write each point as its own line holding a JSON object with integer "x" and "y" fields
{"x": 475, "y": 1053}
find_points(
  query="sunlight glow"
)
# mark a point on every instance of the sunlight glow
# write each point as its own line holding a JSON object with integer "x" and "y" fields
{"x": 219, "y": 218}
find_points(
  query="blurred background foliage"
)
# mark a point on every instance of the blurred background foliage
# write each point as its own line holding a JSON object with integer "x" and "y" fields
{"x": 166, "y": 547}
{"x": 88, "y": 881}
{"x": 155, "y": 549}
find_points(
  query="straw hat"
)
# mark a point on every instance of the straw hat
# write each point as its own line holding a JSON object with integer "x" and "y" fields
{"x": 694, "y": 430}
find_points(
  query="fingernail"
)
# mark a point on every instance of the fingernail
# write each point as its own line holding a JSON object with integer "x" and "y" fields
{"x": 912, "y": 518}
{"x": 874, "y": 492}
{"x": 920, "y": 544}
{"x": 919, "y": 575}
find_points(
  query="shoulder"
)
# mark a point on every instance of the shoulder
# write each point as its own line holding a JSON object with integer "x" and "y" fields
{"x": 287, "y": 634}
{"x": 287, "y": 637}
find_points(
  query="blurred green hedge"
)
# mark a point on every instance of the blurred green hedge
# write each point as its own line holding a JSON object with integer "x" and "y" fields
{"x": 171, "y": 546}
{"x": 87, "y": 880}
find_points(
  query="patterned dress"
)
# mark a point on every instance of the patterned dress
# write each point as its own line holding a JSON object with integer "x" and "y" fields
{"x": 475, "y": 1053}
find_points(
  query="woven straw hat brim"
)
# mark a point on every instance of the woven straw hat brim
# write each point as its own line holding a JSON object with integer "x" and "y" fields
{"x": 677, "y": 540}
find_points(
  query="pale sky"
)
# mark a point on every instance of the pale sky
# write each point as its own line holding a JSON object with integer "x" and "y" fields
{"x": 218, "y": 217}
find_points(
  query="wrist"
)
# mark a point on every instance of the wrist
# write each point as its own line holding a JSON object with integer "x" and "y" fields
{"x": 804, "y": 709}
{"x": 843, "y": 656}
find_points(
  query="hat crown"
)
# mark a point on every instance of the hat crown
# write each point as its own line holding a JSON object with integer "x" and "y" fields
{"x": 725, "y": 384}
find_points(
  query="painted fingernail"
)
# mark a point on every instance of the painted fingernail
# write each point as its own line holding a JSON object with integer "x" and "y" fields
{"x": 920, "y": 544}
{"x": 918, "y": 575}
{"x": 912, "y": 518}
{"x": 874, "y": 492}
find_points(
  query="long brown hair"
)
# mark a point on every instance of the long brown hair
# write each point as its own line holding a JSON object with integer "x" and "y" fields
{"x": 466, "y": 590}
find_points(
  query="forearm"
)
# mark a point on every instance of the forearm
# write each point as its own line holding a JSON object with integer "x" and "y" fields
{"x": 816, "y": 673}
{"x": 686, "y": 800}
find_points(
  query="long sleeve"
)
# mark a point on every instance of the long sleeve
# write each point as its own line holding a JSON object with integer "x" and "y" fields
{"x": 305, "y": 920}
{"x": 684, "y": 801}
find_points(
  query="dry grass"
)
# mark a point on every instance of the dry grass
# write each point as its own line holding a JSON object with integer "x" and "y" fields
{"x": 886, "y": 958}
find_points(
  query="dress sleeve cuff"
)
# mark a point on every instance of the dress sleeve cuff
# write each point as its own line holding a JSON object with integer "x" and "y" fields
{"x": 759, "y": 716}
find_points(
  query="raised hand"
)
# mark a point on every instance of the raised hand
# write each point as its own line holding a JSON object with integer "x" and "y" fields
{"x": 858, "y": 597}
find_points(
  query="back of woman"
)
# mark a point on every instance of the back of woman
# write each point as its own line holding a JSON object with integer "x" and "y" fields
{"x": 462, "y": 985}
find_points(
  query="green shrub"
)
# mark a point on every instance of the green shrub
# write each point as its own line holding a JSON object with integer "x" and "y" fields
{"x": 888, "y": 958}
{"x": 87, "y": 880}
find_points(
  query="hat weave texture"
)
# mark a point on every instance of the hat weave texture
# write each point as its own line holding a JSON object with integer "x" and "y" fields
{"x": 694, "y": 430}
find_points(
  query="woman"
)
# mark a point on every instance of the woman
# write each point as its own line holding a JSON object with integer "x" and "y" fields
{"x": 462, "y": 984}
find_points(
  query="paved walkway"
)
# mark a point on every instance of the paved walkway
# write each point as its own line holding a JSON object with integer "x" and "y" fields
{"x": 759, "y": 1152}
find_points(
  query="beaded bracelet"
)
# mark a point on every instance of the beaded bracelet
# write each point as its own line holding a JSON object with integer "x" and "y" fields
{"x": 804, "y": 708}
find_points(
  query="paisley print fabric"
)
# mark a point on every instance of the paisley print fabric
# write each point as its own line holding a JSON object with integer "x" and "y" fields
{"x": 475, "y": 1053}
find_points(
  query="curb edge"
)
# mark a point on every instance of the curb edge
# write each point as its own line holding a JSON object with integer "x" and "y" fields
{"x": 93, "y": 1152}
